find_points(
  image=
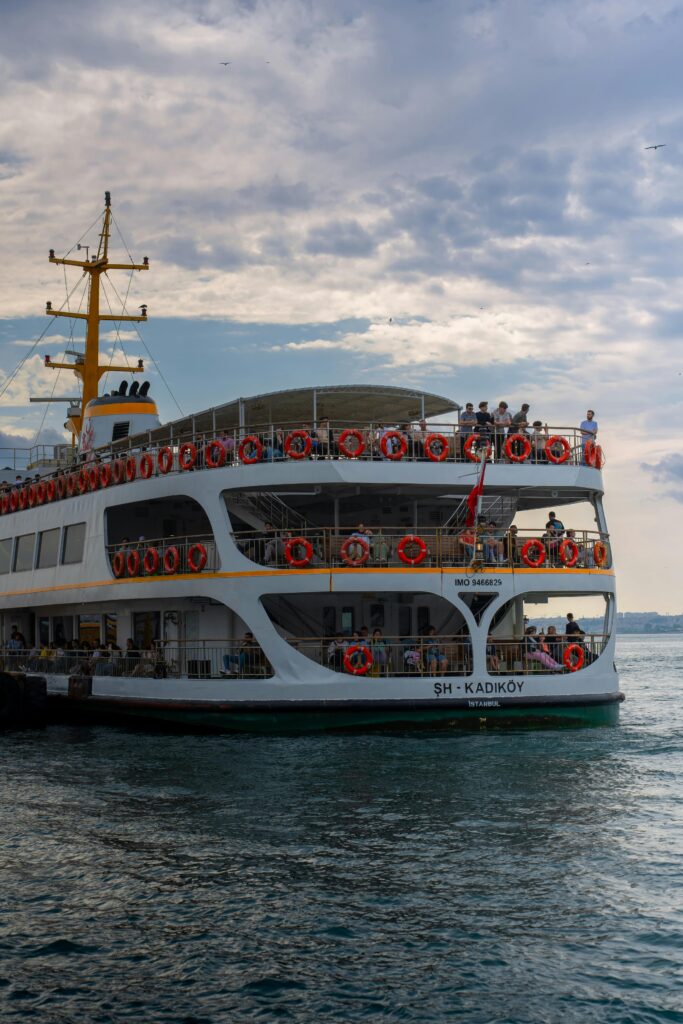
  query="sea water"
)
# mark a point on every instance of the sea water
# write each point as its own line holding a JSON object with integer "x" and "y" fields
{"x": 488, "y": 877}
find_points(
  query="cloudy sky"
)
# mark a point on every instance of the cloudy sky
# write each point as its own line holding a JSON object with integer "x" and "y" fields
{"x": 455, "y": 195}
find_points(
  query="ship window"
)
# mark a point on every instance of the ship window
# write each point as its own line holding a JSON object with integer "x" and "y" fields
{"x": 347, "y": 621}
{"x": 5, "y": 555}
{"x": 120, "y": 431}
{"x": 44, "y": 631}
{"x": 23, "y": 553}
{"x": 89, "y": 629}
{"x": 110, "y": 628}
{"x": 48, "y": 548}
{"x": 74, "y": 542}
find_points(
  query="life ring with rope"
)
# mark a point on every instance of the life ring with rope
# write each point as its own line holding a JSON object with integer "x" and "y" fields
{"x": 118, "y": 473}
{"x": 150, "y": 563}
{"x": 568, "y": 552}
{"x": 214, "y": 454}
{"x": 514, "y": 440}
{"x": 131, "y": 468}
{"x": 146, "y": 466}
{"x": 361, "y": 667}
{"x": 552, "y": 444}
{"x": 105, "y": 474}
{"x": 118, "y": 564}
{"x": 187, "y": 455}
{"x": 171, "y": 560}
{"x": 94, "y": 477}
{"x": 354, "y": 560}
{"x": 469, "y": 443}
{"x": 133, "y": 563}
{"x": 165, "y": 459}
{"x": 50, "y": 490}
{"x": 600, "y": 553}
{"x": 254, "y": 443}
{"x": 296, "y": 450}
{"x": 298, "y": 542}
{"x": 389, "y": 453}
{"x": 196, "y": 557}
{"x": 344, "y": 437}
{"x": 432, "y": 440}
{"x": 411, "y": 540}
{"x": 536, "y": 545}
{"x": 573, "y": 657}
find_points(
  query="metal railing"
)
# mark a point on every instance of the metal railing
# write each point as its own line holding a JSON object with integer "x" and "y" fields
{"x": 381, "y": 547}
{"x": 543, "y": 653}
{"x": 195, "y": 659}
{"x": 389, "y": 656}
{"x": 450, "y": 655}
{"x": 163, "y": 556}
{"x": 130, "y": 459}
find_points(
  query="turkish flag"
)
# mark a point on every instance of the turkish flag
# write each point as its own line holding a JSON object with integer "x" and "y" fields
{"x": 473, "y": 498}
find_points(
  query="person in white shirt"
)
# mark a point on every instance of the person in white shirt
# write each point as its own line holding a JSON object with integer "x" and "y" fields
{"x": 589, "y": 431}
{"x": 502, "y": 421}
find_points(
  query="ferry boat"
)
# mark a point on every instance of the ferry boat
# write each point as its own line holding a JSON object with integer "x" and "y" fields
{"x": 300, "y": 559}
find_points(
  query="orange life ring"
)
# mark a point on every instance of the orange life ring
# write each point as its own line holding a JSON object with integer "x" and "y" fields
{"x": 196, "y": 557}
{"x": 71, "y": 482}
{"x": 589, "y": 452}
{"x": 472, "y": 456}
{"x": 171, "y": 560}
{"x": 432, "y": 439}
{"x": 550, "y": 445}
{"x": 568, "y": 552}
{"x": 94, "y": 478}
{"x": 214, "y": 461}
{"x": 118, "y": 564}
{"x": 31, "y": 496}
{"x": 118, "y": 473}
{"x": 50, "y": 490}
{"x": 83, "y": 481}
{"x": 165, "y": 459}
{"x": 599, "y": 553}
{"x": 14, "y": 500}
{"x": 146, "y": 466}
{"x": 188, "y": 448}
{"x": 510, "y": 453}
{"x": 40, "y": 493}
{"x": 535, "y": 543}
{"x": 133, "y": 563}
{"x": 4, "y": 505}
{"x": 298, "y": 453}
{"x": 366, "y": 659}
{"x": 298, "y": 542}
{"x": 598, "y": 457}
{"x": 131, "y": 468}
{"x": 343, "y": 438}
{"x": 568, "y": 657}
{"x": 150, "y": 563}
{"x": 105, "y": 474}
{"x": 359, "y": 559}
{"x": 407, "y": 541}
{"x": 23, "y": 498}
{"x": 384, "y": 445}
{"x": 253, "y": 441}
{"x": 61, "y": 487}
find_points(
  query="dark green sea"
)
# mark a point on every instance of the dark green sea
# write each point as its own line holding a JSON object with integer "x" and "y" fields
{"x": 490, "y": 877}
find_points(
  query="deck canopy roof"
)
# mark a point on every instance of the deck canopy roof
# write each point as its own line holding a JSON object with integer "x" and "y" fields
{"x": 343, "y": 404}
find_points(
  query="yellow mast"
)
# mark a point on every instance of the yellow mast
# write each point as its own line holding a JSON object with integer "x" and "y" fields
{"x": 89, "y": 369}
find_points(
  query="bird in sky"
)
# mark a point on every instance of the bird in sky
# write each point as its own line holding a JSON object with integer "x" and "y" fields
{"x": 660, "y": 145}
{"x": 225, "y": 63}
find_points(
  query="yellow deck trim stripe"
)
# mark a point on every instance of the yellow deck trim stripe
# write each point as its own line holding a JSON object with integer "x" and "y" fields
{"x": 293, "y": 572}
{"x": 120, "y": 408}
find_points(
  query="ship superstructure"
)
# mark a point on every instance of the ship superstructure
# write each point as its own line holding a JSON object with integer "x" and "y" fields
{"x": 302, "y": 559}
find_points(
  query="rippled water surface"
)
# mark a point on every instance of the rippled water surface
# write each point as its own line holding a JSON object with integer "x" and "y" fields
{"x": 514, "y": 877}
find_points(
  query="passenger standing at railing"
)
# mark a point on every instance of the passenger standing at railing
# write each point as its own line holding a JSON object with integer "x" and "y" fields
{"x": 467, "y": 421}
{"x": 378, "y": 649}
{"x": 484, "y": 420}
{"x": 520, "y": 421}
{"x": 502, "y": 421}
{"x": 554, "y": 643}
{"x": 327, "y": 444}
{"x": 511, "y": 546}
{"x": 589, "y": 431}
{"x": 416, "y": 441}
{"x": 228, "y": 442}
{"x": 335, "y": 653}
{"x": 539, "y": 436}
{"x": 555, "y": 531}
{"x": 365, "y": 536}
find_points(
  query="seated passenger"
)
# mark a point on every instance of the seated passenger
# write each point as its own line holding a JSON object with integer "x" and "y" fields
{"x": 511, "y": 546}
{"x": 364, "y": 535}
{"x": 534, "y": 650}
{"x": 412, "y": 659}
{"x": 492, "y": 662}
{"x": 380, "y": 653}
{"x": 335, "y": 653}
{"x": 555, "y": 644}
{"x": 434, "y": 657}
{"x": 466, "y": 542}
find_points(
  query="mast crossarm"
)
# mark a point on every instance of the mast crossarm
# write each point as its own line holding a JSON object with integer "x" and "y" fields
{"x": 127, "y": 266}
{"x": 119, "y": 369}
{"x": 70, "y": 263}
{"x": 76, "y": 367}
{"x": 114, "y": 316}
{"x": 65, "y": 312}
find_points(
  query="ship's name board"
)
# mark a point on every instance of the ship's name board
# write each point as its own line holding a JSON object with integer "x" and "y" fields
{"x": 487, "y": 688}
{"x": 475, "y": 581}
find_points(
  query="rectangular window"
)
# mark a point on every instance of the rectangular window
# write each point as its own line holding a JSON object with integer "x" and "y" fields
{"x": 48, "y": 548}
{"x": 74, "y": 543}
{"x": 146, "y": 626}
{"x": 5, "y": 554}
{"x": 23, "y": 553}
{"x": 120, "y": 431}
{"x": 347, "y": 621}
{"x": 110, "y": 628}
{"x": 43, "y": 631}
